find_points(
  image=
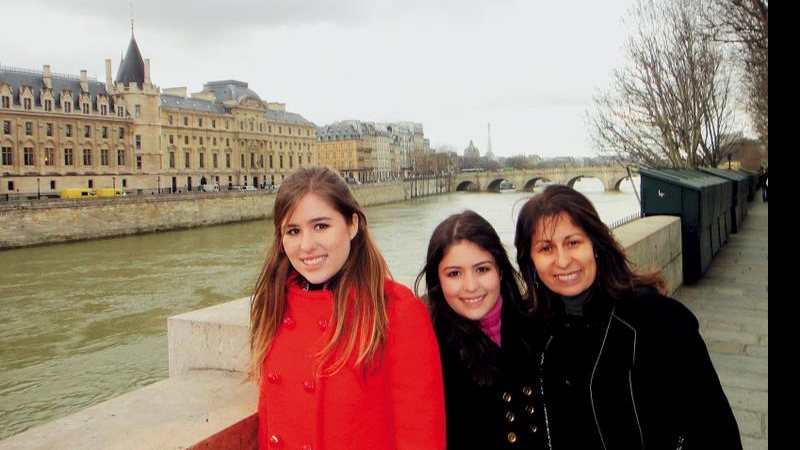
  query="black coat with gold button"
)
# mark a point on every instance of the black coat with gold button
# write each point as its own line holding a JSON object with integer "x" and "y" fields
{"x": 503, "y": 412}
{"x": 632, "y": 374}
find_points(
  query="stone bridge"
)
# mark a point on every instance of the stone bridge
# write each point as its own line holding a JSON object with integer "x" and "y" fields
{"x": 525, "y": 180}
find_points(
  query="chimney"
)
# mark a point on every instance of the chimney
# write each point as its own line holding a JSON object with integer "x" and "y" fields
{"x": 108, "y": 76}
{"x": 147, "y": 72}
{"x": 47, "y": 76}
{"x": 84, "y": 81}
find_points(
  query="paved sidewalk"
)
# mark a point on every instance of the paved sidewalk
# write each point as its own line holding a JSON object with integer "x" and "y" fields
{"x": 731, "y": 303}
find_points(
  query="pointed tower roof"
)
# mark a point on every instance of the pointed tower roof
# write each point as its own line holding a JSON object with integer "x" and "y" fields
{"x": 131, "y": 70}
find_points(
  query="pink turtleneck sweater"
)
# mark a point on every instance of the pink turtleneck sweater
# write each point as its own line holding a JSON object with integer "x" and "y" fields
{"x": 490, "y": 323}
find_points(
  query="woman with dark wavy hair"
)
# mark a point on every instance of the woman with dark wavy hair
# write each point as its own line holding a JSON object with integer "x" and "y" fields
{"x": 486, "y": 340}
{"x": 345, "y": 357}
{"x": 623, "y": 366}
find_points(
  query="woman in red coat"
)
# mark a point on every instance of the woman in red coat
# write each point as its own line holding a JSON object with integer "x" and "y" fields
{"x": 345, "y": 357}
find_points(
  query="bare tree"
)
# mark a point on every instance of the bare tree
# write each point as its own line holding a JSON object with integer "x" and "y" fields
{"x": 745, "y": 25}
{"x": 669, "y": 106}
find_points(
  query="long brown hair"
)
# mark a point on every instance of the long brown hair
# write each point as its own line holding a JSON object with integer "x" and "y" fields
{"x": 614, "y": 275}
{"x": 360, "y": 322}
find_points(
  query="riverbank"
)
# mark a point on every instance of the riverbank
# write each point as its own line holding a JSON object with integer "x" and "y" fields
{"x": 37, "y": 222}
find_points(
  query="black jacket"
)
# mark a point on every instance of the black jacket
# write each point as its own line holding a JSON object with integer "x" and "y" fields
{"x": 506, "y": 414}
{"x": 633, "y": 374}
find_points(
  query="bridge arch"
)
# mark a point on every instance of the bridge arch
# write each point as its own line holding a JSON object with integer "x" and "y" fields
{"x": 530, "y": 185}
{"x": 496, "y": 184}
{"x": 468, "y": 186}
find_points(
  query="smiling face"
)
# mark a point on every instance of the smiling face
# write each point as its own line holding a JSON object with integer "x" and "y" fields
{"x": 316, "y": 238}
{"x": 563, "y": 255}
{"x": 469, "y": 279}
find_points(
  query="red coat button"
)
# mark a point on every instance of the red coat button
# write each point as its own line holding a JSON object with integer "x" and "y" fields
{"x": 274, "y": 377}
{"x": 306, "y": 446}
{"x": 274, "y": 441}
{"x": 289, "y": 322}
{"x": 323, "y": 323}
{"x": 309, "y": 386}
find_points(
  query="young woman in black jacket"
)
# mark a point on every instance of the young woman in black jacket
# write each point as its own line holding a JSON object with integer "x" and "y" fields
{"x": 487, "y": 342}
{"x": 623, "y": 366}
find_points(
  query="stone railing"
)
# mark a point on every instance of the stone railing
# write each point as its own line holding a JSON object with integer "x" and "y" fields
{"x": 206, "y": 402}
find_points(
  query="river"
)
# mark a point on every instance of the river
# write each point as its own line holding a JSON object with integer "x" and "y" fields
{"x": 86, "y": 321}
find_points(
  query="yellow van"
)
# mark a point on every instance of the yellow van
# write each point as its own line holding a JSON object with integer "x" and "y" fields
{"x": 77, "y": 193}
{"x": 109, "y": 192}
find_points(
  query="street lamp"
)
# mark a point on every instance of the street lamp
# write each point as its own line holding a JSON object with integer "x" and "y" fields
{"x": 114, "y": 184}
{"x": 158, "y": 182}
{"x": 38, "y": 190}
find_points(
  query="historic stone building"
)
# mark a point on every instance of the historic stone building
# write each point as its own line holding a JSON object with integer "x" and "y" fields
{"x": 62, "y": 131}
{"x": 368, "y": 152}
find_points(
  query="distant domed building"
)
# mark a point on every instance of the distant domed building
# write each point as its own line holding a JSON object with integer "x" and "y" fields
{"x": 471, "y": 153}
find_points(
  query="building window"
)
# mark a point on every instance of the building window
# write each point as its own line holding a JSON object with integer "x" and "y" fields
{"x": 68, "y": 107}
{"x": 202, "y": 160}
{"x": 214, "y": 159}
{"x": 171, "y": 160}
{"x": 200, "y": 122}
{"x": 121, "y": 133}
{"x": 85, "y": 108}
{"x": 28, "y": 156}
{"x": 48, "y": 129}
{"x": 87, "y": 157}
{"x": 252, "y": 160}
{"x": 228, "y": 160}
{"x": 52, "y": 184}
{"x": 227, "y": 125}
{"x": 87, "y": 131}
{"x": 49, "y": 157}
{"x": 103, "y": 110}
{"x": 28, "y": 128}
{"x": 120, "y": 157}
{"x": 120, "y": 111}
{"x": 67, "y": 156}
{"x": 169, "y": 119}
{"x": 26, "y": 103}
{"x": 8, "y": 158}
{"x": 241, "y": 161}
{"x": 185, "y": 121}
{"x": 260, "y": 160}
{"x": 186, "y": 162}
{"x": 90, "y": 183}
{"x": 138, "y": 162}
{"x": 214, "y": 140}
{"x": 6, "y": 100}
{"x": 6, "y": 127}
{"x": 103, "y": 157}
{"x": 68, "y": 130}
{"x": 201, "y": 140}
{"x": 227, "y": 142}
{"x": 270, "y": 162}
{"x": 48, "y": 105}
{"x": 138, "y": 109}
{"x": 186, "y": 140}
{"x": 124, "y": 182}
{"x": 213, "y": 123}
{"x": 280, "y": 161}
{"x": 104, "y": 132}
{"x": 291, "y": 161}
{"x": 138, "y": 140}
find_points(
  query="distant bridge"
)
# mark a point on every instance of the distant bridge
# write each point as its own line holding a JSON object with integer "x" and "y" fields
{"x": 525, "y": 180}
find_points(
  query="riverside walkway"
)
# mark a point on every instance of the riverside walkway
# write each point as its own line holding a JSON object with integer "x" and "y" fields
{"x": 730, "y": 301}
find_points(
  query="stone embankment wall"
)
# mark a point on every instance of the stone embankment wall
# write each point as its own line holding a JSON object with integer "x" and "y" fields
{"x": 50, "y": 221}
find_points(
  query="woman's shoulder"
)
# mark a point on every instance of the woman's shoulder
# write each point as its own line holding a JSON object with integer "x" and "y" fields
{"x": 401, "y": 300}
{"x": 651, "y": 307}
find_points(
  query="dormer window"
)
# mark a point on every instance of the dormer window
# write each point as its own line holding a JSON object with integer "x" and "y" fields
{"x": 6, "y": 101}
{"x": 103, "y": 110}
{"x": 27, "y": 103}
{"x": 85, "y": 108}
{"x": 67, "y": 107}
{"x": 48, "y": 105}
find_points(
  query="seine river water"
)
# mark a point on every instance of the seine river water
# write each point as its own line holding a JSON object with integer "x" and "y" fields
{"x": 84, "y": 322}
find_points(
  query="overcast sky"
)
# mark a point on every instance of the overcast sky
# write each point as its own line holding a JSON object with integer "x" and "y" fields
{"x": 529, "y": 67}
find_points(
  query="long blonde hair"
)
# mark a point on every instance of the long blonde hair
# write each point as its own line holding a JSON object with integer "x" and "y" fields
{"x": 360, "y": 322}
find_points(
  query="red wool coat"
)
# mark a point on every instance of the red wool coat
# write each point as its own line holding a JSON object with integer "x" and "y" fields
{"x": 399, "y": 404}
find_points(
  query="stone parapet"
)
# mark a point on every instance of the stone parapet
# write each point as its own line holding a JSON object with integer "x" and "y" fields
{"x": 654, "y": 243}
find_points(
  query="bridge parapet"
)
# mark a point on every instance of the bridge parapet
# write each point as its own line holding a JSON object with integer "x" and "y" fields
{"x": 524, "y": 180}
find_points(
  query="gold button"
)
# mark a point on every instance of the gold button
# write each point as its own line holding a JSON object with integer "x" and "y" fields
{"x": 512, "y": 437}
{"x": 527, "y": 391}
{"x": 534, "y": 429}
{"x": 510, "y": 416}
{"x": 530, "y": 409}
{"x": 506, "y": 397}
